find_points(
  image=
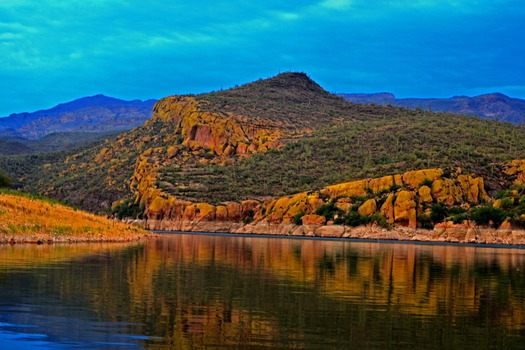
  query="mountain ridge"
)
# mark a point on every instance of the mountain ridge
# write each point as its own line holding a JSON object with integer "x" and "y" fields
{"x": 98, "y": 113}
{"x": 495, "y": 106}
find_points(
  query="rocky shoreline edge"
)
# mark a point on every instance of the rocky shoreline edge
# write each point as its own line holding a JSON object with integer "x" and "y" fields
{"x": 53, "y": 239}
{"x": 443, "y": 233}
{"x": 446, "y": 232}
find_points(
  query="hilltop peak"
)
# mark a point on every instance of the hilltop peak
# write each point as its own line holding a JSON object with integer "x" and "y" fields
{"x": 295, "y": 80}
{"x": 290, "y": 98}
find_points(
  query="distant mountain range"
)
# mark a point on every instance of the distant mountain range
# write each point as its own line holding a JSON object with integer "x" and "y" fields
{"x": 94, "y": 114}
{"x": 494, "y": 106}
{"x": 84, "y": 120}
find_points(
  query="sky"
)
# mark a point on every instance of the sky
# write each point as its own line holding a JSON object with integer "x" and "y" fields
{"x": 54, "y": 51}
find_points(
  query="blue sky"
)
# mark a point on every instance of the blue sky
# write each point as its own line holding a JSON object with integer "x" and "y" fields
{"x": 55, "y": 51}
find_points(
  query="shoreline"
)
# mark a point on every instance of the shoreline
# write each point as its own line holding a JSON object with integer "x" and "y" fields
{"x": 52, "y": 239}
{"x": 341, "y": 239}
{"x": 379, "y": 237}
{"x": 443, "y": 233}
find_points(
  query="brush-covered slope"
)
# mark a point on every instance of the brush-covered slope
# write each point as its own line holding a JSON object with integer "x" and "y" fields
{"x": 55, "y": 142}
{"x": 262, "y": 140}
{"x": 29, "y": 219}
{"x": 291, "y": 100}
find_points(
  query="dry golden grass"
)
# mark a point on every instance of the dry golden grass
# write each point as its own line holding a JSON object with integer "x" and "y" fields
{"x": 26, "y": 219}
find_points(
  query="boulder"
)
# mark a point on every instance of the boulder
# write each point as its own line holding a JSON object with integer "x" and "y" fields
{"x": 333, "y": 231}
{"x": 313, "y": 219}
{"x": 387, "y": 209}
{"x": 349, "y": 189}
{"x": 368, "y": 208}
{"x": 425, "y": 194}
{"x": 405, "y": 209}
{"x": 415, "y": 178}
{"x": 446, "y": 191}
{"x": 381, "y": 184}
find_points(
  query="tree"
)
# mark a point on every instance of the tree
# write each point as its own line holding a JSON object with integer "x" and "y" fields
{"x": 439, "y": 213}
{"x": 5, "y": 181}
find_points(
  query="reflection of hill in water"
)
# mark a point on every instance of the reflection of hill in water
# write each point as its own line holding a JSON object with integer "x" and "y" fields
{"x": 416, "y": 279}
{"x": 196, "y": 290}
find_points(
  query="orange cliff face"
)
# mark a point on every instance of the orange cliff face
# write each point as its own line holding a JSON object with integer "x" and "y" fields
{"x": 224, "y": 134}
{"x": 224, "y": 137}
{"x": 398, "y": 198}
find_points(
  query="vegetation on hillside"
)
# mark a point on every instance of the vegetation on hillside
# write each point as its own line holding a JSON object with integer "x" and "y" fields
{"x": 5, "y": 181}
{"x": 290, "y": 99}
{"x": 55, "y": 142}
{"x": 407, "y": 140}
{"x": 78, "y": 177}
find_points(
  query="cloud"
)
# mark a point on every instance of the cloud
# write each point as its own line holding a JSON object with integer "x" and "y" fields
{"x": 336, "y": 4}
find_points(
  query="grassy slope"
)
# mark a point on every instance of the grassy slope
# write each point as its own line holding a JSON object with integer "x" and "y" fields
{"x": 26, "y": 218}
{"x": 344, "y": 142}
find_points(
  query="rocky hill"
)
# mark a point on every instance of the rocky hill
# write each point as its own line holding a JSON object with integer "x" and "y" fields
{"x": 495, "y": 106}
{"x": 89, "y": 114}
{"x": 223, "y": 155}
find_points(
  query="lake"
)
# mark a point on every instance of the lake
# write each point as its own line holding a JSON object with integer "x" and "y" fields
{"x": 196, "y": 291}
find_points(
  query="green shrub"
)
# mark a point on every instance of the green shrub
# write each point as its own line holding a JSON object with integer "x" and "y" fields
{"x": 298, "y": 218}
{"x": 520, "y": 208}
{"x": 357, "y": 201}
{"x": 425, "y": 221}
{"x": 129, "y": 209}
{"x": 328, "y": 210}
{"x": 456, "y": 210}
{"x": 394, "y": 188}
{"x": 507, "y": 204}
{"x": 483, "y": 216}
{"x": 380, "y": 220}
{"x": 249, "y": 216}
{"x": 460, "y": 218}
{"x": 340, "y": 220}
{"x": 426, "y": 182}
{"x": 438, "y": 213}
{"x": 353, "y": 219}
{"x": 502, "y": 194}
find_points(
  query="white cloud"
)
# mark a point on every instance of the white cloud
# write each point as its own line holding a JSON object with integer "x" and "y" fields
{"x": 287, "y": 16}
{"x": 336, "y": 4}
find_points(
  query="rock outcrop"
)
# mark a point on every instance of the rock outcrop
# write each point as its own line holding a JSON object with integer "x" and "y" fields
{"x": 516, "y": 170}
{"x": 399, "y": 199}
{"x": 222, "y": 133}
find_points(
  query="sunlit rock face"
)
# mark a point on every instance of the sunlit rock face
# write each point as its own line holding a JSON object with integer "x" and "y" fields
{"x": 399, "y": 199}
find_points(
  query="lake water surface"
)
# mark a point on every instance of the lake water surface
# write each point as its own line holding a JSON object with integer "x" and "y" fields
{"x": 194, "y": 291}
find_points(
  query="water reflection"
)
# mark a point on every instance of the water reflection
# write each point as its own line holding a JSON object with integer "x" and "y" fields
{"x": 199, "y": 291}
